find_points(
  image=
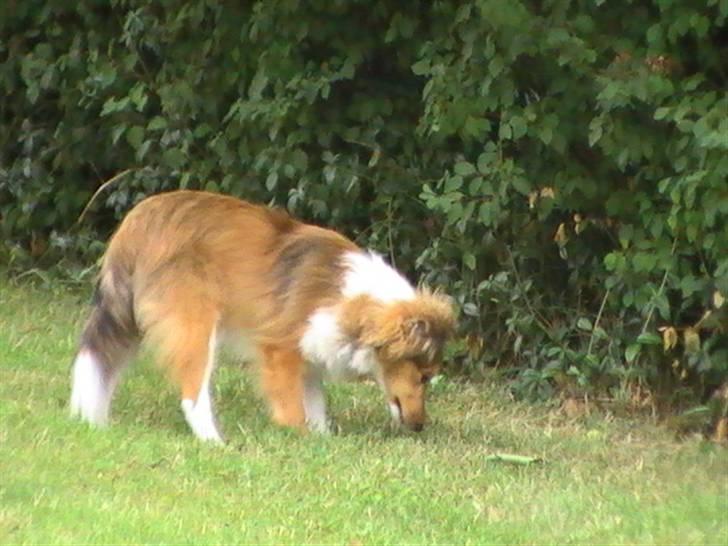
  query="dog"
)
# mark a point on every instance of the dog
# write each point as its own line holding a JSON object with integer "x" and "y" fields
{"x": 188, "y": 270}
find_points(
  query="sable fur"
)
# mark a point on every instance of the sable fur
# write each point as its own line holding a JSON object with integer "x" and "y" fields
{"x": 223, "y": 250}
{"x": 186, "y": 267}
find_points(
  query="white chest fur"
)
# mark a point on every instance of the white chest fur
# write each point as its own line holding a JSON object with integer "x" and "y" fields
{"x": 330, "y": 353}
{"x": 323, "y": 344}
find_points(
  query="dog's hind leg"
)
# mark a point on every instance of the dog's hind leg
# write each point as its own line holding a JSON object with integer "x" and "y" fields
{"x": 185, "y": 334}
{"x": 108, "y": 343}
{"x": 196, "y": 396}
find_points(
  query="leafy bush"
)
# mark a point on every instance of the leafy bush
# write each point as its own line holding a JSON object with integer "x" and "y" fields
{"x": 559, "y": 167}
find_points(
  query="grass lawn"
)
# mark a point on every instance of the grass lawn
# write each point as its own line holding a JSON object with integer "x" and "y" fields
{"x": 146, "y": 479}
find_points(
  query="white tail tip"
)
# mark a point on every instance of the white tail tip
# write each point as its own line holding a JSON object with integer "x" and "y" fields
{"x": 91, "y": 392}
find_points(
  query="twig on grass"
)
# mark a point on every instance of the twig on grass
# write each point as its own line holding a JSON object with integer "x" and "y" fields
{"x": 511, "y": 458}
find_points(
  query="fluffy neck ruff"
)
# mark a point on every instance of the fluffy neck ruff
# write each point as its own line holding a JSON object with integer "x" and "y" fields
{"x": 380, "y": 315}
{"x": 368, "y": 274}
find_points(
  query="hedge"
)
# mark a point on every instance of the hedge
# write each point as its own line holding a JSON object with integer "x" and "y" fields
{"x": 559, "y": 167}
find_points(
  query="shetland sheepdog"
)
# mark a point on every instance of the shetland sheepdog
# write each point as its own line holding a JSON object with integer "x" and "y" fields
{"x": 188, "y": 270}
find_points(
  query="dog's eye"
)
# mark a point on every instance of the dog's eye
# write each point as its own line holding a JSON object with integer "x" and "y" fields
{"x": 425, "y": 379}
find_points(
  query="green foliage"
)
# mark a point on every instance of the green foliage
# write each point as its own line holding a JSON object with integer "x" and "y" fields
{"x": 560, "y": 168}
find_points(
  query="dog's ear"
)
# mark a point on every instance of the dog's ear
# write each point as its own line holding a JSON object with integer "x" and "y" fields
{"x": 427, "y": 322}
{"x": 417, "y": 328}
{"x": 431, "y": 316}
{"x": 425, "y": 337}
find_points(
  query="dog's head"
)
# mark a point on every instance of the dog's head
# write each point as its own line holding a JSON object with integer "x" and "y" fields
{"x": 408, "y": 338}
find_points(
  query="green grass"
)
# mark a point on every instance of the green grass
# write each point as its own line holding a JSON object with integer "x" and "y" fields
{"x": 146, "y": 480}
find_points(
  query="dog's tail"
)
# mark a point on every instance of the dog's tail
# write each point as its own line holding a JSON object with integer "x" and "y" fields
{"x": 108, "y": 341}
